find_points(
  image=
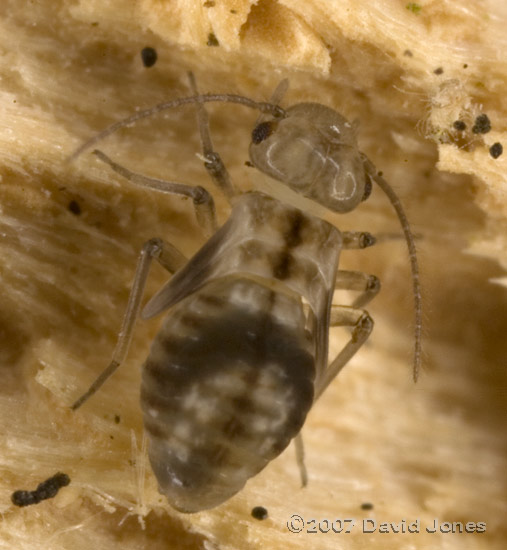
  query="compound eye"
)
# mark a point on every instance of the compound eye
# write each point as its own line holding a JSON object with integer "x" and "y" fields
{"x": 367, "y": 189}
{"x": 262, "y": 131}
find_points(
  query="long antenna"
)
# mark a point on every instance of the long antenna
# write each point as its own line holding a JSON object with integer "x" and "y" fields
{"x": 416, "y": 285}
{"x": 264, "y": 107}
{"x": 275, "y": 98}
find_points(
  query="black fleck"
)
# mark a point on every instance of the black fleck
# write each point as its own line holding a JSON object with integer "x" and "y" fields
{"x": 366, "y": 506}
{"x": 209, "y": 4}
{"x": 74, "y": 207}
{"x": 439, "y": 71}
{"x": 367, "y": 189}
{"x": 233, "y": 11}
{"x": 465, "y": 65}
{"x": 261, "y": 132}
{"x": 149, "y": 56}
{"x": 459, "y": 125}
{"x": 212, "y": 40}
{"x": 259, "y": 512}
{"x": 24, "y": 498}
{"x": 117, "y": 418}
{"x": 496, "y": 150}
{"x": 46, "y": 489}
{"x": 482, "y": 125}
{"x": 408, "y": 53}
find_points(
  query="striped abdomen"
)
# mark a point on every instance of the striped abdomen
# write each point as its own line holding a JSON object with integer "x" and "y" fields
{"x": 227, "y": 385}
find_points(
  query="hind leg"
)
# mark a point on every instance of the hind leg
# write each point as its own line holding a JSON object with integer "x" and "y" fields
{"x": 362, "y": 325}
{"x": 169, "y": 257}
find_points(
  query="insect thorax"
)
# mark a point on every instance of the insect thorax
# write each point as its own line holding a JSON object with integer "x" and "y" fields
{"x": 230, "y": 377}
{"x": 267, "y": 239}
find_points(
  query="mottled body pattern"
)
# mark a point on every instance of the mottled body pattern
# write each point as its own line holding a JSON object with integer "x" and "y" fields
{"x": 243, "y": 353}
{"x": 230, "y": 376}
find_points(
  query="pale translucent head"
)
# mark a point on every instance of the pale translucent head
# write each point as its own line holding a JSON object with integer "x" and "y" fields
{"x": 314, "y": 151}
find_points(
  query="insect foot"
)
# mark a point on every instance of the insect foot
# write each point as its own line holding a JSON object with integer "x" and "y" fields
{"x": 363, "y": 327}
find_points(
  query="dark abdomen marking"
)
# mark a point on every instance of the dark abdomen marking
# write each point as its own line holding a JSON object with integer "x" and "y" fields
{"x": 285, "y": 263}
{"x": 225, "y": 389}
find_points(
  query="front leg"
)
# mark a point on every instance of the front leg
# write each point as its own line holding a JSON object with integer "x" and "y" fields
{"x": 212, "y": 159}
{"x": 203, "y": 202}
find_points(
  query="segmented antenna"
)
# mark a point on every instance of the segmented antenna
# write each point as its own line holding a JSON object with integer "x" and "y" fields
{"x": 264, "y": 107}
{"x": 416, "y": 285}
{"x": 275, "y": 99}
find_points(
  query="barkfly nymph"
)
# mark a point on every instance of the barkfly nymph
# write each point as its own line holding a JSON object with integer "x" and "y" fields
{"x": 243, "y": 353}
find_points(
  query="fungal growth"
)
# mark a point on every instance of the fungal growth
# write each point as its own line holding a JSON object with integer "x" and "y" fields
{"x": 45, "y": 490}
{"x": 496, "y": 150}
{"x": 74, "y": 207}
{"x": 459, "y": 125}
{"x": 149, "y": 56}
{"x": 242, "y": 355}
{"x": 212, "y": 40}
{"x": 259, "y": 512}
{"x": 482, "y": 125}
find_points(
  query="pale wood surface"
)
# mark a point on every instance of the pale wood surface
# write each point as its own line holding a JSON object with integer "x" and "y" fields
{"x": 435, "y": 450}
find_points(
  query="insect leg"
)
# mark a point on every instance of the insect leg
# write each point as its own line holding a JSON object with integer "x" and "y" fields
{"x": 171, "y": 259}
{"x": 203, "y": 201}
{"x": 212, "y": 160}
{"x": 362, "y": 325}
{"x": 300, "y": 459}
{"x": 368, "y": 285}
{"x": 357, "y": 240}
{"x": 348, "y": 316}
